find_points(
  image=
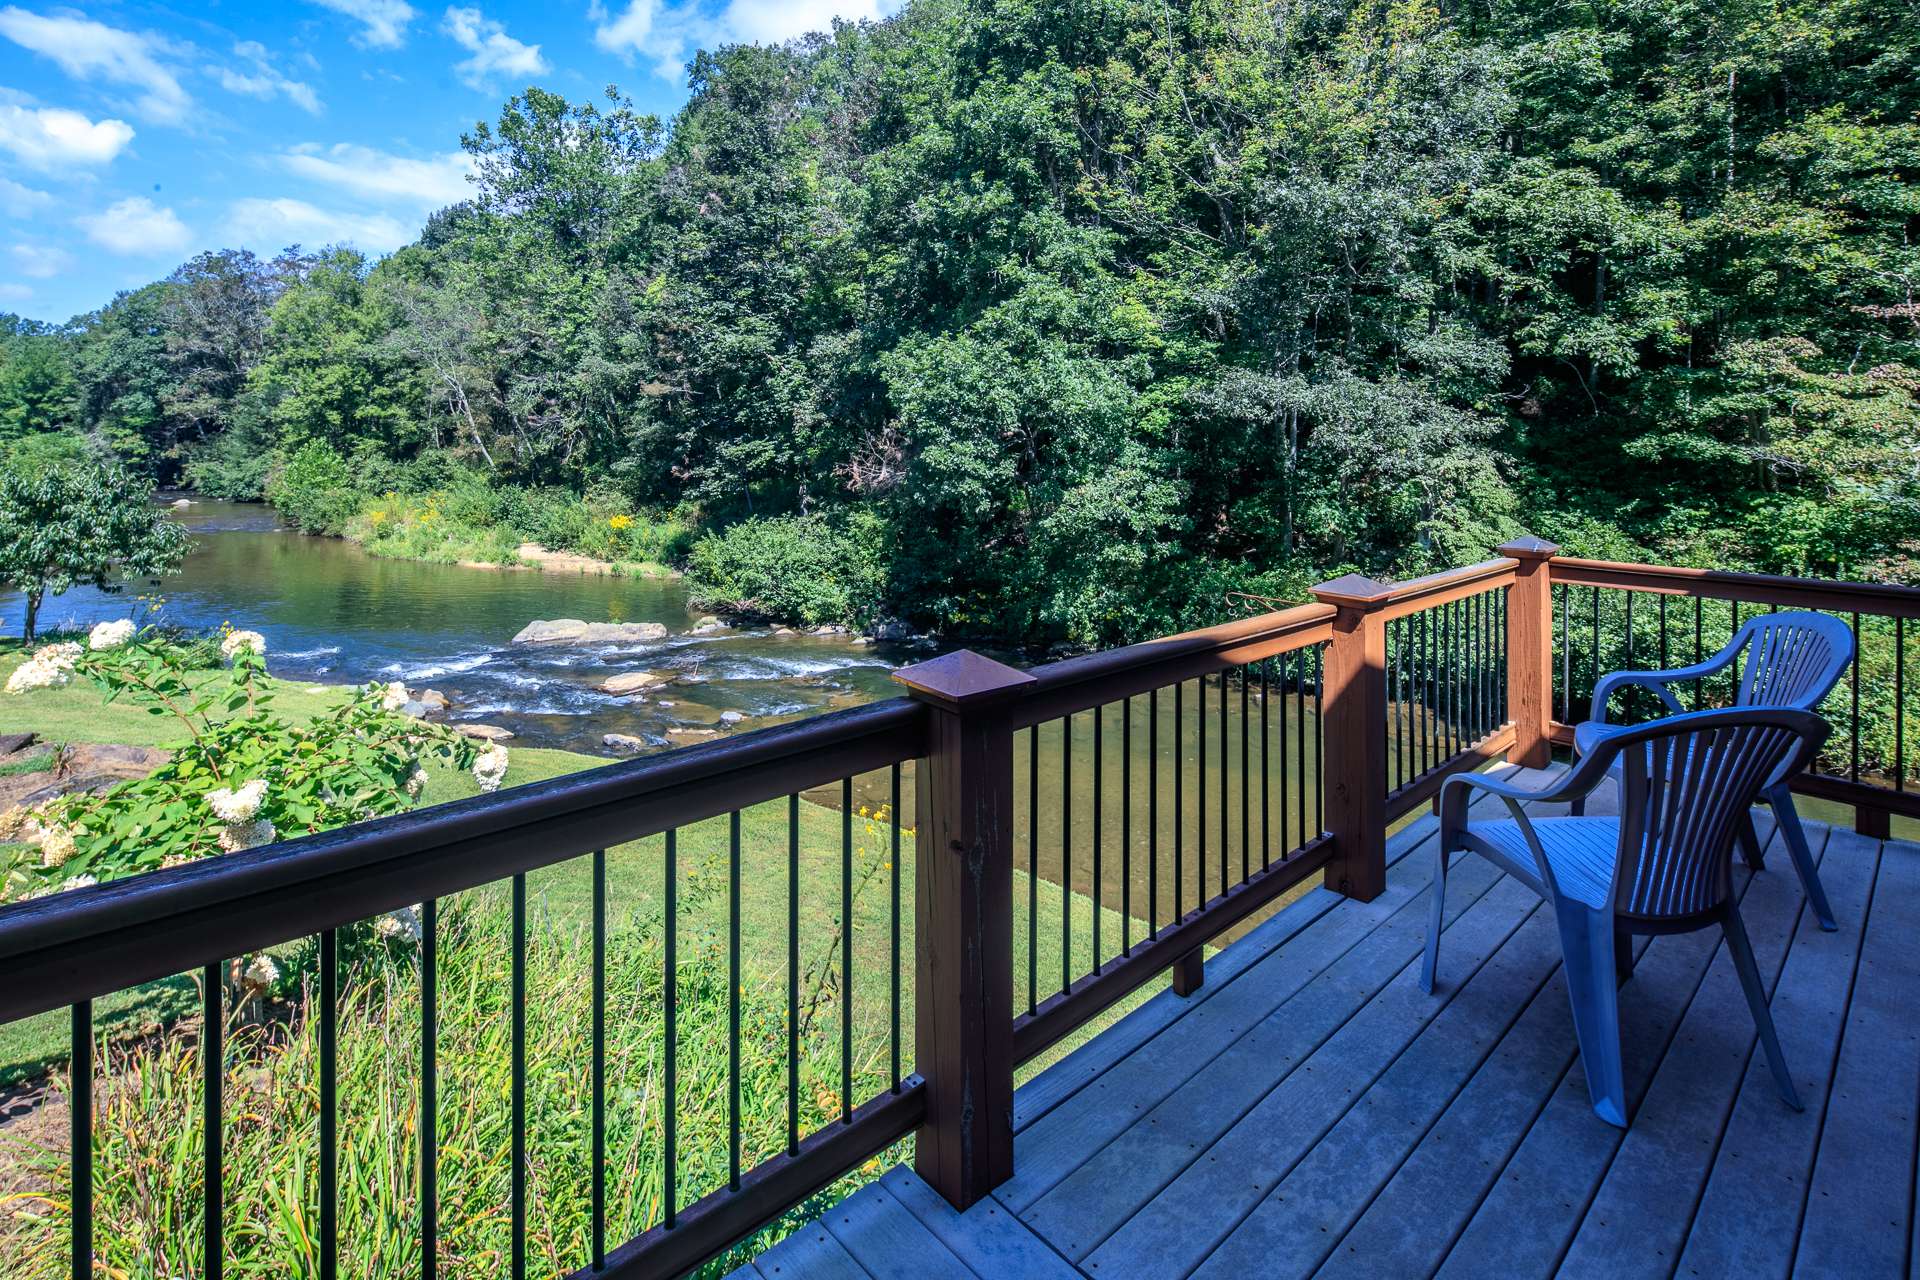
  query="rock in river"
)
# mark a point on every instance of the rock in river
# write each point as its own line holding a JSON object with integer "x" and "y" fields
{"x": 631, "y": 682}
{"x": 624, "y": 742}
{"x": 484, "y": 732}
{"x": 575, "y": 631}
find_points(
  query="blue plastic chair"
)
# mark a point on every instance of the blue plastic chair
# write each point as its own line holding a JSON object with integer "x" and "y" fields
{"x": 1794, "y": 660}
{"x": 1665, "y": 865}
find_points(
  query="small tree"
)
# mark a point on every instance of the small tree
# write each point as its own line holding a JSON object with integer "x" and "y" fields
{"x": 79, "y": 523}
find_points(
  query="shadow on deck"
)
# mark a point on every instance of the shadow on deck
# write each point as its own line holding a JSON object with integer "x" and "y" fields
{"x": 1311, "y": 1112}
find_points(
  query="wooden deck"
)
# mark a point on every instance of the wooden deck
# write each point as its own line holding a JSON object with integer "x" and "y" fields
{"x": 1311, "y": 1112}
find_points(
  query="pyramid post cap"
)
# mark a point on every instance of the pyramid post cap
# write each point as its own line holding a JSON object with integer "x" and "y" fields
{"x": 1352, "y": 589}
{"x": 1528, "y": 547}
{"x": 962, "y": 678}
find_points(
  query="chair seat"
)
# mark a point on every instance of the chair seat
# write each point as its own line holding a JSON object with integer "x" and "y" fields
{"x": 1581, "y": 851}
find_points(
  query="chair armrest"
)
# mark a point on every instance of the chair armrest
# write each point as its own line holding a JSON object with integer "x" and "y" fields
{"x": 1657, "y": 681}
{"x": 1456, "y": 793}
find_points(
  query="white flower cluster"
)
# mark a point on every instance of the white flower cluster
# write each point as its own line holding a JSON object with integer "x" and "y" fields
{"x": 50, "y": 667}
{"x": 246, "y": 835}
{"x": 55, "y": 840}
{"x": 110, "y": 635}
{"x": 261, "y": 973}
{"x": 235, "y": 641}
{"x": 399, "y": 926}
{"x": 416, "y": 782}
{"x": 490, "y": 767}
{"x": 237, "y": 805}
{"x": 238, "y": 809}
{"x": 395, "y": 696}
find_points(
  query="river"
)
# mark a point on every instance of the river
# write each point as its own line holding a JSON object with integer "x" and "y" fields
{"x": 333, "y": 613}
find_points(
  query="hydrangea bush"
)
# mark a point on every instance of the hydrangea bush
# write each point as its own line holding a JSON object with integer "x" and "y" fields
{"x": 239, "y": 776}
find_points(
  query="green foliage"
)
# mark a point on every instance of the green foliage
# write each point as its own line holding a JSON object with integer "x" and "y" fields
{"x": 803, "y": 568}
{"x": 68, "y": 524}
{"x": 239, "y": 775}
{"x": 316, "y": 489}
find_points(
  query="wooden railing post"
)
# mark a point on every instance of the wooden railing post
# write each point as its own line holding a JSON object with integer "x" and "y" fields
{"x": 963, "y": 923}
{"x": 1355, "y": 726}
{"x": 1530, "y": 652}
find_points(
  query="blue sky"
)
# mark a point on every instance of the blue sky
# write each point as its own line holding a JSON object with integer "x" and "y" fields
{"x": 134, "y": 135}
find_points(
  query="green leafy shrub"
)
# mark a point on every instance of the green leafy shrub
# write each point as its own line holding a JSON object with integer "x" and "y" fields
{"x": 805, "y": 569}
{"x": 316, "y": 490}
{"x": 239, "y": 776}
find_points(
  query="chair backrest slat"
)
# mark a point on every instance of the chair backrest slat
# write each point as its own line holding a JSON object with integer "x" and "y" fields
{"x": 1688, "y": 781}
{"x": 1792, "y": 659}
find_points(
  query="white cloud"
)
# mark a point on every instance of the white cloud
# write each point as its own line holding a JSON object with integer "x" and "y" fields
{"x": 15, "y": 293}
{"x": 430, "y": 183}
{"x": 39, "y": 261}
{"x": 668, "y": 33}
{"x": 272, "y": 225}
{"x": 52, "y": 138}
{"x": 495, "y": 53}
{"x": 137, "y": 226}
{"x": 17, "y": 201}
{"x": 384, "y": 22}
{"x": 93, "y": 52}
{"x": 257, "y": 77}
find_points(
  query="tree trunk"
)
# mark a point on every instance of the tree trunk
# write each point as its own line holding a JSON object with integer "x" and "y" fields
{"x": 33, "y": 611}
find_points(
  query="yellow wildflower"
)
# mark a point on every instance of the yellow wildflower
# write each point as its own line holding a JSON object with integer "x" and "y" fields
{"x": 620, "y": 522}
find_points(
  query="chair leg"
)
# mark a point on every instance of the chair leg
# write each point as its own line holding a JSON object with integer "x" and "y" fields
{"x": 1787, "y": 818}
{"x": 1622, "y": 954}
{"x": 1586, "y": 941}
{"x": 1750, "y": 843}
{"x": 1436, "y": 910}
{"x": 1742, "y": 952}
{"x": 1577, "y": 807}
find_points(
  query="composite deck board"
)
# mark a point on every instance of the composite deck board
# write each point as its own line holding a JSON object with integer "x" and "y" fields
{"x": 1749, "y": 1218}
{"x": 1860, "y": 1202}
{"x": 1060, "y": 1142}
{"x": 1311, "y": 1112}
{"x": 1238, "y": 1084}
{"x": 1174, "y": 1232}
{"x": 1639, "y": 1219}
{"x": 1556, "y": 1153}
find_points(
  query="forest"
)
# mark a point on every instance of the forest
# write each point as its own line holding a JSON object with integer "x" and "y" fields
{"x": 1055, "y": 322}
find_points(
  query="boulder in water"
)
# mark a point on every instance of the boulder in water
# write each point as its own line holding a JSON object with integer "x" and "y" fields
{"x": 484, "y": 732}
{"x": 624, "y": 742}
{"x": 632, "y": 682}
{"x": 575, "y": 631}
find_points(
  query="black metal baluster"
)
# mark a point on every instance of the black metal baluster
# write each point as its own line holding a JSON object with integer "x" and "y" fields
{"x": 1200, "y": 793}
{"x": 430, "y": 1088}
{"x": 1286, "y": 841}
{"x": 1246, "y": 795}
{"x": 1226, "y": 816}
{"x": 893, "y": 867}
{"x": 1397, "y": 699}
{"x": 1300, "y": 734}
{"x": 1899, "y": 704}
{"x": 1320, "y": 741}
{"x": 519, "y": 1245}
{"x": 670, "y": 1097}
{"x": 1593, "y": 657}
{"x": 846, "y": 959}
{"x": 599, "y": 1059}
{"x": 1699, "y": 630}
{"x": 1417, "y": 626}
{"x": 1626, "y": 659}
{"x": 213, "y": 1036}
{"x": 1266, "y": 776}
{"x": 1662, "y": 608}
{"x": 1066, "y": 852}
{"x": 793, "y": 974}
{"x": 1033, "y": 867}
{"x": 1153, "y": 813}
{"x": 1179, "y": 816}
{"x": 329, "y": 1104}
{"x": 1853, "y": 766}
{"x": 1566, "y": 657}
{"x": 1099, "y": 828}
{"x": 733, "y": 994}
{"x": 1126, "y": 826}
{"x": 80, "y": 1118}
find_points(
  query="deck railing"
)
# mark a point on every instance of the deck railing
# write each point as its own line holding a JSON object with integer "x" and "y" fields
{"x": 1160, "y": 795}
